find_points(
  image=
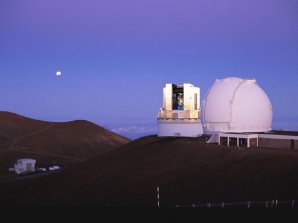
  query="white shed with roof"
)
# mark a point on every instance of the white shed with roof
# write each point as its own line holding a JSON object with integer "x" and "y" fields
{"x": 24, "y": 165}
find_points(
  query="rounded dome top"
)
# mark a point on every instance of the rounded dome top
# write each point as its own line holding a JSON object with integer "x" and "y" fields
{"x": 237, "y": 105}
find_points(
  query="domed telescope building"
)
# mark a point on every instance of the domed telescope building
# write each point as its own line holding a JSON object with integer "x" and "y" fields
{"x": 180, "y": 114}
{"x": 236, "y": 105}
{"x": 235, "y": 112}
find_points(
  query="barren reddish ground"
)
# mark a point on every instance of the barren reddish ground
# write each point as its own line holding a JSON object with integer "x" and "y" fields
{"x": 187, "y": 170}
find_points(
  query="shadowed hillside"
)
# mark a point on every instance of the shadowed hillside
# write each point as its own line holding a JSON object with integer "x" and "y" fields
{"x": 14, "y": 125}
{"x": 52, "y": 142}
{"x": 187, "y": 170}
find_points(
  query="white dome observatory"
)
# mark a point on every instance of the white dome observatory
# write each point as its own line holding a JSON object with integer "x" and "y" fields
{"x": 236, "y": 105}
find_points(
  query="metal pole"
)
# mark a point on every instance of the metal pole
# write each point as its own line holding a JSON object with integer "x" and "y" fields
{"x": 222, "y": 205}
{"x": 293, "y": 201}
{"x": 157, "y": 189}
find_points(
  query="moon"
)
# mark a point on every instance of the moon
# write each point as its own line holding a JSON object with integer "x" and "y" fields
{"x": 58, "y": 73}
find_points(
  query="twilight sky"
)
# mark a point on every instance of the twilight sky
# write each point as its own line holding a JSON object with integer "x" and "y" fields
{"x": 116, "y": 55}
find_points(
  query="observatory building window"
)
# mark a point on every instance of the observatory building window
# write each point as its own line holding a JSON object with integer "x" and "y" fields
{"x": 178, "y": 95}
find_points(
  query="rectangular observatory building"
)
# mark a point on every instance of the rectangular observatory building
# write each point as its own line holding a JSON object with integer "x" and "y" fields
{"x": 180, "y": 114}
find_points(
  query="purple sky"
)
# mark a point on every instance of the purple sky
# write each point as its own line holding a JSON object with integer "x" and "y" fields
{"x": 116, "y": 55}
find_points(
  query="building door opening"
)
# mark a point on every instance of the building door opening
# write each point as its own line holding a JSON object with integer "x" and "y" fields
{"x": 233, "y": 141}
{"x": 177, "y": 134}
{"x": 223, "y": 141}
{"x": 253, "y": 142}
{"x": 28, "y": 167}
{"x": 178, "y": 97}
{"x": 242, "y": 142}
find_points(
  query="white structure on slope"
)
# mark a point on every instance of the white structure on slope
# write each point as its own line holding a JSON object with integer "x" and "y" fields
{"x": 180, "y": 114}
{"x": 235, "y": 105}
{"x": 24, "y": 166}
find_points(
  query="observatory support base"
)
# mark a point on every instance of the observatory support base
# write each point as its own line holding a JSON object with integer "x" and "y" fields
{"x": 180, "y": 127}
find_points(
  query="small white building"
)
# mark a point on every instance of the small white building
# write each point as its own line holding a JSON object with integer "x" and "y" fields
{"x": 43, "y": 169}
{"x": 24, "y": 166}
{"x": 237, "y": 139}
{"x": 271, "y": 140}
{"x": 180, "y": 114}
{"x": 54, "y": 167}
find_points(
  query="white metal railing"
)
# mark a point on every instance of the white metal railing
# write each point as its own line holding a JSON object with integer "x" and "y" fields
{"x": 178, "y": 114}
{"x": 245, "y": 204}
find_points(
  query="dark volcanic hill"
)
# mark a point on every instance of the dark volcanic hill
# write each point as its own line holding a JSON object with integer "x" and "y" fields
{"x": 187, "y": 170}
{"x": 52, "y": 142}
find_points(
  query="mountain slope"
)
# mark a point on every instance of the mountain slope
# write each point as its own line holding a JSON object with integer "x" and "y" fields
{"x": 79, "y": 139}
{"x": 13, "y": 125}
{"x": 52, "y": 142}
{"x": 187, "y": 170}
